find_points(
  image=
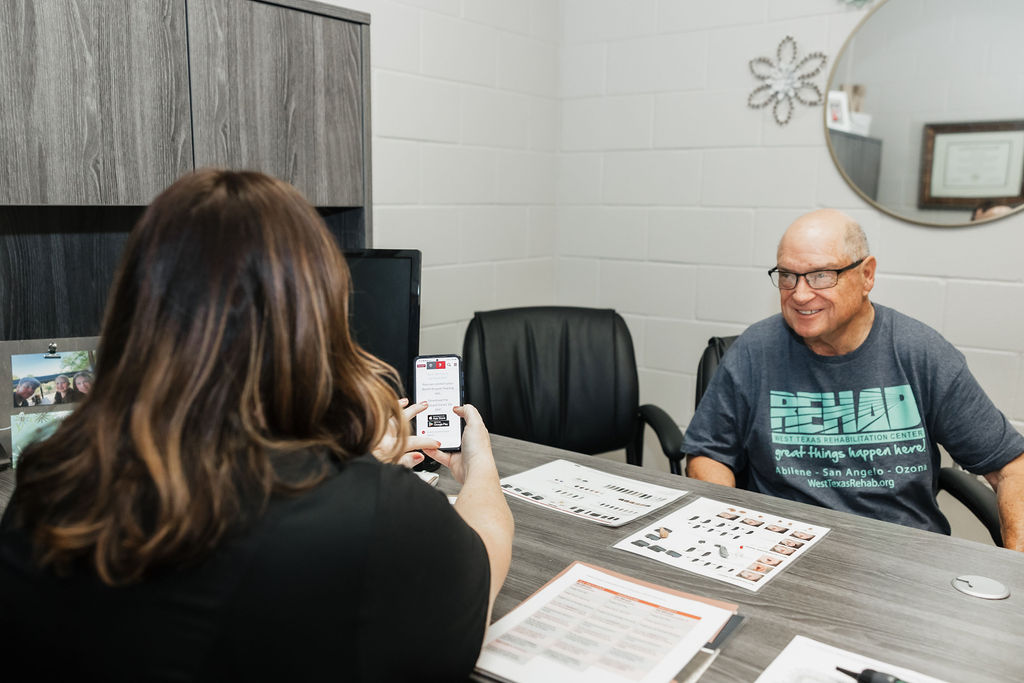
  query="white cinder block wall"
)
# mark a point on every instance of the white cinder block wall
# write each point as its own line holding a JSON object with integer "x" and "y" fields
{"x": 465, "y": 151}
{"x": 673, "y": 194}
{"x": 601, "y": 153}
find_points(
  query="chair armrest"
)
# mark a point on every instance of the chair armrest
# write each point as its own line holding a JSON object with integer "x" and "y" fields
{"x": 666, "y": 429}
{"x": 975, "y": 496}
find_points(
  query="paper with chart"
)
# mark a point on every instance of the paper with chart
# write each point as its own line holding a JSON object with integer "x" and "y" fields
{"x": 727, "y": 542}
{"x": 588, "y": 493}
{"x": 809, "y": 661}
{"x": 595, "y": 626}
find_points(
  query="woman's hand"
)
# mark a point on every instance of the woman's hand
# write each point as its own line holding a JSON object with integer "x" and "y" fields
{"x": 413, "y": 444}
{"x": 481, "y": 502}
{"x": 476, "y": 455}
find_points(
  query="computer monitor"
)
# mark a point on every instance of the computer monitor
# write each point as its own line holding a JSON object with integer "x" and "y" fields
{"x": 384, "y": 313}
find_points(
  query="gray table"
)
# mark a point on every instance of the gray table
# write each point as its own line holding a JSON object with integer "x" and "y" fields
{"x": 875, "y": 588}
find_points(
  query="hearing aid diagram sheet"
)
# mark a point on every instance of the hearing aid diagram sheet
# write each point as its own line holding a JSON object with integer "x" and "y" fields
{"x": 588, "y": 493}
{"x": 727, "y": 542}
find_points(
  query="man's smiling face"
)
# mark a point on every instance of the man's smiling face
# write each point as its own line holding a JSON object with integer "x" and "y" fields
{"x": 829, "y": 320}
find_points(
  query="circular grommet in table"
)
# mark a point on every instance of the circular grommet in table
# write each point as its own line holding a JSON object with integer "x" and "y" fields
{"x": 981, "y": 587}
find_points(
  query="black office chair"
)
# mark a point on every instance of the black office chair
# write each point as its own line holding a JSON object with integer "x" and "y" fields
{"x": 964, "y": 486}
{"x": 563, "y": 377}
{"x": 975, "y": 496}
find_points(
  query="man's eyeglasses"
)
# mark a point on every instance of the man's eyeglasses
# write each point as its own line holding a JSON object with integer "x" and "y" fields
{"x": 816, "y": 279}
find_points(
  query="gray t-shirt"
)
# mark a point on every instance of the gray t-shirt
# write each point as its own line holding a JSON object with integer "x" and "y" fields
{"x": 856, "y": 432}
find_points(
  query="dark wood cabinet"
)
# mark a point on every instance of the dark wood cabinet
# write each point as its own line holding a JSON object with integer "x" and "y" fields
{"x": 273, "y": 90}
{"x": 56, "y": 265}
{"x": 103, "y": 103}
{"x": 94, "y": 101}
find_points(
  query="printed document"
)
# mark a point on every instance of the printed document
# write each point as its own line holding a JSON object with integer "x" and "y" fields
{"x": 591, "y": 625}
{"x": 809, "y": 661}
{"x": 727, "y": 542}
{"x": 588, "y": 493}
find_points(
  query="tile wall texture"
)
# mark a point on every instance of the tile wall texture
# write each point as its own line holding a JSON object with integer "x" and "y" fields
{"x": 465, "y": 111}
{"x": 601, "y": 153}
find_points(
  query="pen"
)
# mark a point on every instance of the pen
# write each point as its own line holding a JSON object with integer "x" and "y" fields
{"x": 871, "y": 676}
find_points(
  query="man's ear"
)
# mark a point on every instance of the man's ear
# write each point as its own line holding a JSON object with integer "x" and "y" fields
{"x": 868, "y": 273}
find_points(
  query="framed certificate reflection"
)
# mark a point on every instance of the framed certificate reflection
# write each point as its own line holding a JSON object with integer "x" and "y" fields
{"x": 965, "y": 164}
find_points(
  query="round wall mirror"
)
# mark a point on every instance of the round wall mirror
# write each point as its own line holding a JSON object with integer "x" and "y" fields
{"x": 925, "y": 109}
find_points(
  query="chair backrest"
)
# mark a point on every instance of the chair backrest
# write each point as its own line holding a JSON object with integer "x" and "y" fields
{"x": 555, "y": 375}
{"x": 709, "y": 361}
{"x": 978, "y": 498}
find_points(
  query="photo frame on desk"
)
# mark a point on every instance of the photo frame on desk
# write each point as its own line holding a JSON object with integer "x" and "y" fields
{"x": 837, "y": 111}
{"x": 48, "y": 377}
{"x": 965, "y": 164}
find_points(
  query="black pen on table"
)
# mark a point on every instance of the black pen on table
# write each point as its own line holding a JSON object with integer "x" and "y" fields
{"x": 871, "y": 676}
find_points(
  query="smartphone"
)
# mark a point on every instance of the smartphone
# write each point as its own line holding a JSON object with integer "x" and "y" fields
{"x": 438, "y": 381}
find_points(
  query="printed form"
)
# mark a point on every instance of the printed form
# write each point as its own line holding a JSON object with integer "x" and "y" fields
{"x": 588, "y": 624}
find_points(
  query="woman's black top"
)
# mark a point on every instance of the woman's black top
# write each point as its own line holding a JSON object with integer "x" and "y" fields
{"x": 370, "y": 576}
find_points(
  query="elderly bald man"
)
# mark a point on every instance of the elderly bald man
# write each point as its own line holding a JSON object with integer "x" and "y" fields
{"x": 842, "y": 403}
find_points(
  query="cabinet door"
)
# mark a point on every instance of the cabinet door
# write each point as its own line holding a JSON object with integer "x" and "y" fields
{"x": 94, "y": 102}
{"x": 278, "y": 90}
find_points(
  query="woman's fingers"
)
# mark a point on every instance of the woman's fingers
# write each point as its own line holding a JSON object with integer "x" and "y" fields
{"x": 468, "y": 413}
{"x": 411, "y": 411}
{"x": 411, "y": 459}
{"x": 421, "y": 443}
{"x": 440, "y": 456}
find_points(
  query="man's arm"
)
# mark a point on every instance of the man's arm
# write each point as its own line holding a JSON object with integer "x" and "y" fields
{"x": 1009, "y": 485}
{"x": 704, "y": 468}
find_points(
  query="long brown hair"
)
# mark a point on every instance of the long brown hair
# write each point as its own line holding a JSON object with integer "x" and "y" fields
{"x": 225, "y": 344}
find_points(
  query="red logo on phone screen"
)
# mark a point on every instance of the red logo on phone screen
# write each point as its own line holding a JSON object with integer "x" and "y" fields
{"x": 440, "y": 365}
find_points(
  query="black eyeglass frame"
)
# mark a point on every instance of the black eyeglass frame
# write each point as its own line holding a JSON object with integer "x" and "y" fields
{"x": 837, "y": 271}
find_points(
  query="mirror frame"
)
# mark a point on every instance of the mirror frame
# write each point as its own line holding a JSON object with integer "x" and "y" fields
{"x": 842, "y": 171}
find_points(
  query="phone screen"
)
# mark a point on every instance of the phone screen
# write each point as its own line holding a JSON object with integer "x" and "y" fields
{"x": 438, "y": 381}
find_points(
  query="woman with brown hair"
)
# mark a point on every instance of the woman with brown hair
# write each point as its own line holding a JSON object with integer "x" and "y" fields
{"x": 212, "y": 510}
{"x": 83, "y": 382}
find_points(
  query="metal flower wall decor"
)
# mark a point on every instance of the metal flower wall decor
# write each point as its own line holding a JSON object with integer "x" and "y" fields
{"x": 786, "y": 80}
